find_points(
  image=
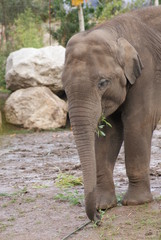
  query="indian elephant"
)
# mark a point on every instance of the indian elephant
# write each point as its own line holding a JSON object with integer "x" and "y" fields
{"x": 115, "y": 69}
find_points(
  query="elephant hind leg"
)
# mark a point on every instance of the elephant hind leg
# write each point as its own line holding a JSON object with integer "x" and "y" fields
{"x": 107, "y": 149}
{"x": 137, "y": 139}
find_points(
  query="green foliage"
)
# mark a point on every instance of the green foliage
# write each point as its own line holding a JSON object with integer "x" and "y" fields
{"x": 135, "y": 4}
{"x": 102, "y": 123}
{"x": 10, "y": 9}
{"x": 110, "y": 8}
{"x": 41, "y": 8}
{"x": 119, "y": 199}
{"x": 18, "y": 193}
{"x": 66, "y": 181}
{"x": 3, "y": 58}
{"x": 23, "y": 27}
{"x": 68, "y": 27}
{"x": 27, "y": 31}
{"x": 58, "y": 11}
{"x": 69, "y": 23}
{"x": 74, "y": 198}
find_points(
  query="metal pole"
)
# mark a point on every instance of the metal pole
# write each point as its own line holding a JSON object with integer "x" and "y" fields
{"x": 81, "y": 18}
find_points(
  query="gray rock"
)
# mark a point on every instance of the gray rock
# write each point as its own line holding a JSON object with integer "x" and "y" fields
{"x": 36, "y": 107}
{"x": 30, "y": 67}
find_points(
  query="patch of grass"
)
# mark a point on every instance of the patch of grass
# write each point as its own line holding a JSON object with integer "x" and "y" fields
{"x": 119, "y": 198}
{"x": 112, "y": 217}
{"x": 3, "y": 226}
{"x": 128, "y": 223}
{"x": 13, "y": 196}
{"x": 98, "y": 223}
{"x": 11, "y": 219}
{"x": 29, "y": 200}
{"x": 142, "y": 222}
{"x": 67, "y": 181}
{"x": 4, "y": 205}
{"x": 21, "y": 213}
{"x": 13, "y": 200}
{"x": 38, "y": 222}
{"x": 5, "y": 195}
{"x": 149, "y": 221}
{"x": 39, "y": 186}
{"x": 102, "y": 213}
{"x": 74, "y": 198}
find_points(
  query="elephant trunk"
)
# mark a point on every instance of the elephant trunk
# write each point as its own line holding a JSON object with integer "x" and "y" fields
{"x": 83, "y": 124}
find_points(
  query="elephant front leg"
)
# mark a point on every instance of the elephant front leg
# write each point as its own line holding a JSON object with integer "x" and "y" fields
{"x": 107, "y": 149}
{"x": 137, "y": 159}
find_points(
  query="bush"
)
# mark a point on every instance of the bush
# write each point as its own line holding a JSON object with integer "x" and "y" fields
{"x": 111, "y": 8}
{"x": 3, "y": 58}
{"x": 27, "y": 31}
{"x": 70, "y": 24}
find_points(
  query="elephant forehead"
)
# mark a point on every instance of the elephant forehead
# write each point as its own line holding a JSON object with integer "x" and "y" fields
{"x": 86, "y": 55}
{"x": 89, "y": 61}
{"x": 86, "y": 48}
{"x": 76, "y": 69}
{"x": 79, "y": 50}
{"x": 94, "y": 69}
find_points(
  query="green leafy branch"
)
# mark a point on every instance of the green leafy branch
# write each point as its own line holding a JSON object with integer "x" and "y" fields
{"x": 102, "y": 123}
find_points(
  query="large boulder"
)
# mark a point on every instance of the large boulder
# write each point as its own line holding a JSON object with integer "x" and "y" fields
{"x": 36, "y": 107}
{"x": 30, "y": 67}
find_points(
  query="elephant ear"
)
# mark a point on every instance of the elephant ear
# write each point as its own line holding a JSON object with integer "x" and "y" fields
{"x": 129, "y": 59}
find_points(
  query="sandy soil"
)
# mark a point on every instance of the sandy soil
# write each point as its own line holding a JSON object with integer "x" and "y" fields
{"x": 29, "y": 167}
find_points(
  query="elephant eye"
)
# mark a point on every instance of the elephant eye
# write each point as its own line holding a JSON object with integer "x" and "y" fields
{"x": 103, "y": 83}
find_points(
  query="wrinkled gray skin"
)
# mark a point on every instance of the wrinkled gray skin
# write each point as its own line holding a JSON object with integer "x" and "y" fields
{"x": 115, "y": 68}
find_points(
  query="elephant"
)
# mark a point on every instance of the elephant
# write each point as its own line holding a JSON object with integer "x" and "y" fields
{"x": 114, "y": 69}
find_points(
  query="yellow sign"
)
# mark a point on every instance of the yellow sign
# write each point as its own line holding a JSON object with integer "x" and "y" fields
{"x": 77, "y": 2}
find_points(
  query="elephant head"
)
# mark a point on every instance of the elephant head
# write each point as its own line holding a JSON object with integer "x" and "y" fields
{"x": 97, "y": 69}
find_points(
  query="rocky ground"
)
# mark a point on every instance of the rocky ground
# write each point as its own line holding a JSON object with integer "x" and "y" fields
{"x": 33, "y": 206}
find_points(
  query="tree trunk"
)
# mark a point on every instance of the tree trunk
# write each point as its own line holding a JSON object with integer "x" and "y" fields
{"x": 4, "y": 20}
{"x": 50, "y": 22}
{"x": 81, "y": 18}
{"x": 0, "y": 120}
{"x": 156, "y": 2}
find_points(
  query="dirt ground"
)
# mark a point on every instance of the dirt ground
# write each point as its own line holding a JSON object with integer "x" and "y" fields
{"x": 29, "y": 167}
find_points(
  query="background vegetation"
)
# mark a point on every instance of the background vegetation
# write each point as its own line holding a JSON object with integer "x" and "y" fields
{"x": 22, "y": 22}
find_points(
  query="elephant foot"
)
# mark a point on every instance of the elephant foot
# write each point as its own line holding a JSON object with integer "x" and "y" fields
{"x": 136, "y": 196}
{"x": 105, "y": 199}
